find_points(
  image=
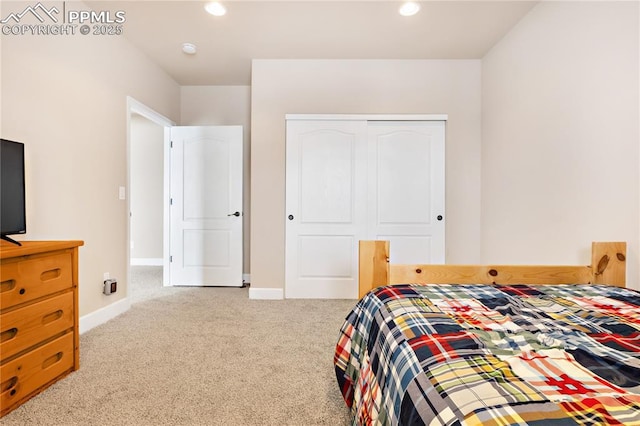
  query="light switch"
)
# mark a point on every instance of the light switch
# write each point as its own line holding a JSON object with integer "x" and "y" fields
{"x": 121, "y": 193}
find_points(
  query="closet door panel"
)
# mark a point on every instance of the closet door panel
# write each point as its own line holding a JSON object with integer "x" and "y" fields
{"x": 326, "y": 160}
{"x": 406, "y": 188}
{"x": 325, "y": 207}
{"x": 403, "y": 187}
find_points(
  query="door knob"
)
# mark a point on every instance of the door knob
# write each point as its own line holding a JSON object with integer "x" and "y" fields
{"x": 290, "y": 217}
{"x": 439, "y": 217}
{"x": 236, "y": 214}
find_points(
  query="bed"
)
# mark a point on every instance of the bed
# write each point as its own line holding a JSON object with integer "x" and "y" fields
{"x": 492, "y": 344}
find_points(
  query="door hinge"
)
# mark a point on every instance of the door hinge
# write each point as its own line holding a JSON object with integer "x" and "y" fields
{"x": 170, "y": 259}
{"x": 170, "y": 201}
{"x": 171, "y": 144}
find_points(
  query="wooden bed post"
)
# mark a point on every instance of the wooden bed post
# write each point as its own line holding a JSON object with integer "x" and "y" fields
{"x": 608, "y": 263}
{"x": 373, "y": 265}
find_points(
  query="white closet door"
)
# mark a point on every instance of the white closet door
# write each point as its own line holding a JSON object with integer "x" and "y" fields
{"x": 358, "y": 179}
{"x": 325, "y": 207}
{"x": 406, "y": 188}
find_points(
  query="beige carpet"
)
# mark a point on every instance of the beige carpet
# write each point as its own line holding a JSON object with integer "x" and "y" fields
{"x": 202, "y": 356}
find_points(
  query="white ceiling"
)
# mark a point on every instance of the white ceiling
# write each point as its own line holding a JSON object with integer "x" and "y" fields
{"x": 326, "y": 29}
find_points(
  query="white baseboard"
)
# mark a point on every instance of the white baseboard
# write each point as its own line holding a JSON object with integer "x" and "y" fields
{"x": 146, "y": 261}
{"x": 246, "y": 278}
{"x": 102, "y": 315}
{"x": 266, "y": 293}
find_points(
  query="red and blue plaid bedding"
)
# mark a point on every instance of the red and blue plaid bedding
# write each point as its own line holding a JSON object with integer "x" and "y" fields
{"x": 492, "y": 355}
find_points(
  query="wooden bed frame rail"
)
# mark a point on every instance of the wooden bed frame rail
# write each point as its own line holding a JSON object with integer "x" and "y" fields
{"x": 608, "y": 266}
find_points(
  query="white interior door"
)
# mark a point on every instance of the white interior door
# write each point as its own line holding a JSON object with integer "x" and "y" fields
{"x": 406, "y": 189}
{"x": 206, "y": 206}
{"x": 325, "y": 207}
{"x": 355, "y": 179}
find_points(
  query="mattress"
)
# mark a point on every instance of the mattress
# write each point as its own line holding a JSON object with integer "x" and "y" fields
{"x": 492, "y": 355}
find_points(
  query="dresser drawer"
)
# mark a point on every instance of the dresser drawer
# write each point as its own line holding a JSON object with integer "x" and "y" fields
{"x": 27, "y": 373}
{"x": 30, "y": 325}
{"x": 29, "y": 279}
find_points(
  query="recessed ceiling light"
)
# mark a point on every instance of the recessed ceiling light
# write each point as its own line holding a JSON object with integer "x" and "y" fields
{"x": 410, "y": 8}
{"x": 215, "y": 8}
{"x": 189, "y": 48}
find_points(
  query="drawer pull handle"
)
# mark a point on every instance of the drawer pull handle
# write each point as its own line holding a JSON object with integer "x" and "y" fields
{"x": 7, "y": 285}
{"x": 8, "y": 334}
{"x": 8, "y": 384}
{"x": 53, "y": 316}
{"x": 51, "y": 360}
{"x": 51, "y": 274}
{"x": 22, "y": 291}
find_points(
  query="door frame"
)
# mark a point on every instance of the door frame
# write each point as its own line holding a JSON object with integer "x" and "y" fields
{"x": 369, "y": 117}
{"x": 136, "y": 107}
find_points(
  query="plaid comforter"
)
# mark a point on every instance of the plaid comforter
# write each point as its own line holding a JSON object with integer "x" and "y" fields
{"x": 492, "y": 355}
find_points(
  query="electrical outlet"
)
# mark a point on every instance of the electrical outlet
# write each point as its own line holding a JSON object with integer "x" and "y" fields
{"x": 110, "y": 286}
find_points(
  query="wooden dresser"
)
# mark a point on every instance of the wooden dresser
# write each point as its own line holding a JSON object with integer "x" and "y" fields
{"x": 39, "y": 339}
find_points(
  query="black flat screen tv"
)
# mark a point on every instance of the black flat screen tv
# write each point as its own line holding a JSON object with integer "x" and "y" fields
{"x": 12, "y": 194}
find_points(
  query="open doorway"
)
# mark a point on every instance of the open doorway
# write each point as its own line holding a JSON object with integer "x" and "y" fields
{"x": 147, "y": 158}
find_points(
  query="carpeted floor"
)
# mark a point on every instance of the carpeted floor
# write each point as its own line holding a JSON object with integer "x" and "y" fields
{"x": 201, "y": 356}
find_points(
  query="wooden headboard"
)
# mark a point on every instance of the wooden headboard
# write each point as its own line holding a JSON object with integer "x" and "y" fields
{"x": 608, "y": 266}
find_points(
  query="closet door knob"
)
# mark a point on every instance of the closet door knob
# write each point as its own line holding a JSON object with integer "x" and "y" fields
{"x": 290, "y": 217}
{"x": 236, "y": 214}
{"x": 439, "y": 217}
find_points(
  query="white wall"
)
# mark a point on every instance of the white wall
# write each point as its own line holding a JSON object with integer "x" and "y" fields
{"x": 560, "y": 132}
{"x": 280, "y": 87}
{"x": 65, "y": 98}
{"x": 224, "y": 106}
{"x": 147, "y": 190}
